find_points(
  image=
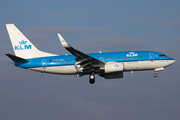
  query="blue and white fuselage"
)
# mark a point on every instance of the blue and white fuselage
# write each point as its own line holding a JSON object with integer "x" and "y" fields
{"x": 65, "y": 64}
{"x": 108, "y": 65}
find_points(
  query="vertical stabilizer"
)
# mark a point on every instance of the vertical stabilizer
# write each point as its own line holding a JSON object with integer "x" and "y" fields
{"x": 22, "y": 46}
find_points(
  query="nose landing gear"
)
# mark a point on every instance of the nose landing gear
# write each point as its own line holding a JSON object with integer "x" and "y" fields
{"x": 155, "y": 74}
{"x": 157, "y": 69}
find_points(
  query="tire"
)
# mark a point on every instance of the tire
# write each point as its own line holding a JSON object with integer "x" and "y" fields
{"x": 155, "y": 74}
{"x": 91, "y": 77}
{"x": 91, "y": 81}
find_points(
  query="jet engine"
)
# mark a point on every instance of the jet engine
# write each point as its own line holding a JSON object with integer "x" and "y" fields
{"x": 113, "y": 70}
{"x": 113, "y": 67}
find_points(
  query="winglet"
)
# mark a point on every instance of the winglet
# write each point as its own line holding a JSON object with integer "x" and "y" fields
{"x": 63, "y": 42}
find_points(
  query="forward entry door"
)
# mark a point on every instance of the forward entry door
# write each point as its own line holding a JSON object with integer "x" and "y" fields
{"x": 151, "y": 56}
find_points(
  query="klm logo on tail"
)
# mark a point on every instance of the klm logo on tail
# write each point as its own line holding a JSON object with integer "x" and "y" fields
{"x": 22, "y": 46}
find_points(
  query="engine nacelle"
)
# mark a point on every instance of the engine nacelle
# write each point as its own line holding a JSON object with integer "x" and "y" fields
{"x": 113, "y": 67}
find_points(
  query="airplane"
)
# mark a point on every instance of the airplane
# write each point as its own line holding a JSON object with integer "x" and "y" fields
{"x": 109, "y": 65}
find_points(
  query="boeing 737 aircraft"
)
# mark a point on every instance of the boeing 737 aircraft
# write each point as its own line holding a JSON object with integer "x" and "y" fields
{"x": 108, "y": 65}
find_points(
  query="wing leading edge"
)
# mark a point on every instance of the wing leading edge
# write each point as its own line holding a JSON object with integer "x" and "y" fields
{"x": 84, "y": 60}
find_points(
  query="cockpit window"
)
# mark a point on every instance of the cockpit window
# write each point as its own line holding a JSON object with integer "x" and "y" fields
{"x": 162, "y": 55}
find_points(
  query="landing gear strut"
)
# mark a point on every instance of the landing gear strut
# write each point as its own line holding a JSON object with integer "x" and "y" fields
{"x": 92, "y": 78}
{"x": 155, "y": 74}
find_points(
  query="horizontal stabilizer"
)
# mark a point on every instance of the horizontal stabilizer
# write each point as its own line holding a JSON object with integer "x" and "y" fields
{"x": 17, "y": 59}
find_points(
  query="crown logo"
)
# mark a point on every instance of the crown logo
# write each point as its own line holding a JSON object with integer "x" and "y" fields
{"x": 62, "y": 41}
{"x": 22, "y": 42}
{"x": 116, "y": 66}
{"x": 131, "y": 52}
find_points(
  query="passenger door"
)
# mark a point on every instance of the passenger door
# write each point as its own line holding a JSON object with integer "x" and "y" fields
{"x": 151, "y": 56}
{"x": 44, "y": 63}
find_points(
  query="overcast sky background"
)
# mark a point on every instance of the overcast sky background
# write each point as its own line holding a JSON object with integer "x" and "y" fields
{"x": 90, "y": 26}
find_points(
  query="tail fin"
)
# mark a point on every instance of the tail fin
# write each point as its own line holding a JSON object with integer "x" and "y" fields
{"x": 22, "y": 46}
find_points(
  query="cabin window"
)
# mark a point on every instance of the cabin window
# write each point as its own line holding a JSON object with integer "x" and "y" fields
{"x": 113, "y": 58}
{"x": 134, "y": 57}
{"x": 123, "y": 57}
{"x": 108, "y": 58}
{"x": 141, "y": 56}
{"x": 131, "y": 57}
{"x": 128, "y": 57}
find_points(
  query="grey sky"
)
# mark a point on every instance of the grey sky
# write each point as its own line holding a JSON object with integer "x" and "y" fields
{"x": 91, "y": 26}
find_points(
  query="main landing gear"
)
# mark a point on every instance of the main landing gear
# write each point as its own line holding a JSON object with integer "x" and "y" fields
{"x": 92, "y": 78}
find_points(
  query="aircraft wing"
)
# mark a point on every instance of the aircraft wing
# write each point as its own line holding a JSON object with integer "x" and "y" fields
{"x": 86, "y": 61}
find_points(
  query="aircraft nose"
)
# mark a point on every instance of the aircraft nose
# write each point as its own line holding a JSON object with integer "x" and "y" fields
{"x": 173, "y": 61}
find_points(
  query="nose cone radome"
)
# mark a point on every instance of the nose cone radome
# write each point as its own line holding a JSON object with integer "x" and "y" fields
{"x": 171, "y": 62}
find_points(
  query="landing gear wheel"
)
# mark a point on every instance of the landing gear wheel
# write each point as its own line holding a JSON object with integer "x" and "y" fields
{"x": 92, "y": 76}
{"x": 92, "y": 79}
{"x": 155, "y": 74}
